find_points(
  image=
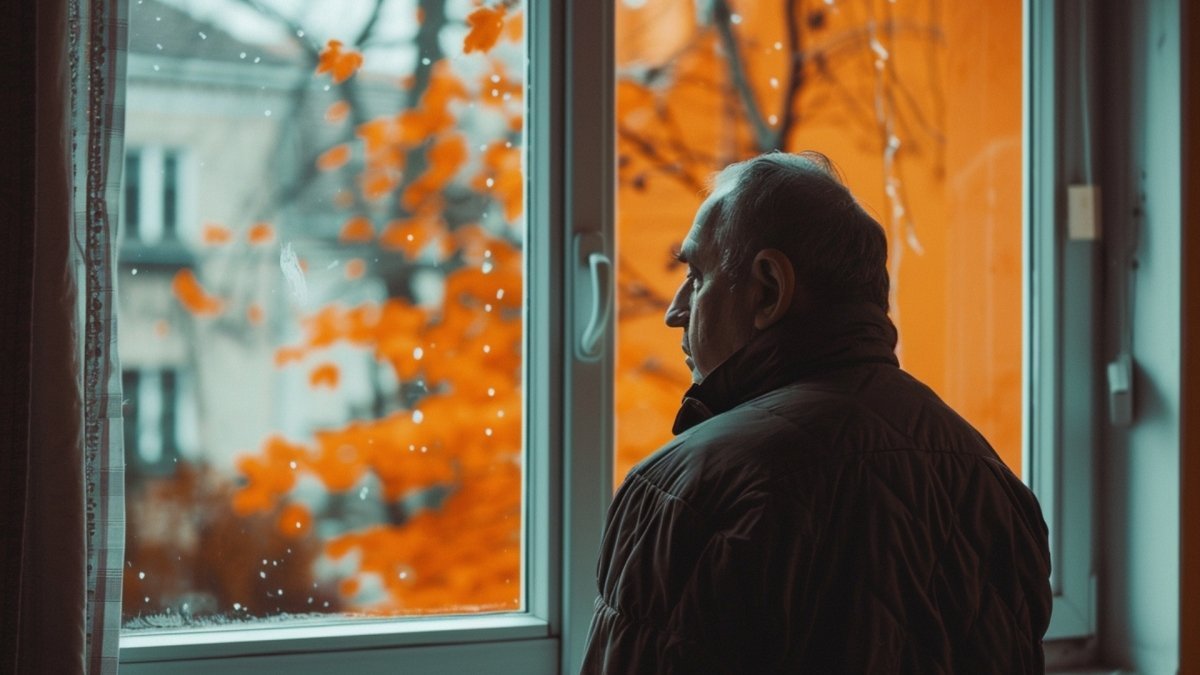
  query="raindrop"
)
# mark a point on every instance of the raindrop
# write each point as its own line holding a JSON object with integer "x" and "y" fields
{"x": 489, "y": 182}
{"x": 267, "y": 113}
{"x": 778, "y": 46}
{"x": 242, "y": 55}
{"x": 500, "y": 294}
{"x": 158, "y": 45}
{"x": 487, "y": 349}
{"x": 310, "y": 600}
{"x": 495, "y": 78}
{"x": 773, "y": 119}
{"x": 486, "y": 267}
{"x": 499, "y": 413}
{"x": 417, "y": 416}
{"x": 362, "y": 494}
{"x": 203, "y": 36}
{"x": 141, "y": 575}
{"x": 487, "y": 431}
{"x": 418, "y": 353}
{"x": 264, "y": 561}
{"x": 257, "y": 59}
{"x": 326, "y": 87}
{"x": 425, "y": 61}
{"x": 237, "y": 606}
{"x": 297, "y": 524}
{"x": 404, "y": 575}
{"x": 146, "y": 599}
{"x": 299, "y": 33}
{"x": 292, "y": 464}
{"x": 774, "y": 82}
{"x": 156, "y": 67}
{"x": 134, "y": 272}
{"x": 262, "y": 575}
{"x": 491, "y": 392}
{"x": 735, "y": 19}
{"x": 279, "y": 591}
{"x": 487, "y": 307}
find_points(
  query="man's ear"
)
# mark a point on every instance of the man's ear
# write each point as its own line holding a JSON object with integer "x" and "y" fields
{"x": 772, "y": 272}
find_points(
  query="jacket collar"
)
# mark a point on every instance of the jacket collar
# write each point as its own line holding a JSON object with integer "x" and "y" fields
{"x": 825, "y": 338}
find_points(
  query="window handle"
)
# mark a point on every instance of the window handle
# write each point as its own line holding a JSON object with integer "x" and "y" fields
{"x": 591, "y": 340}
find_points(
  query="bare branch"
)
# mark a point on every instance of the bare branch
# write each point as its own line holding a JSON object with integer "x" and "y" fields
{"x": 763, "y": 135}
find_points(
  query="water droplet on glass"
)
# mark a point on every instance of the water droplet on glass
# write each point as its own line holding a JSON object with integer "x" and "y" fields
{"x": 134, "y": 272}
{"x": 778, "y": 45}
{"x": 146, "y": 599}
{"x": 310, "y": 600}
{"x": 487, "y": 307}
{"x": 486, "y": 267}
{"x": 500, "y": 294}
{"x": 292, "y": 464}
{"x": 417, "y": 416}
{"x": 267, "y": 113}
{"x": 425, "y": 61}
{"x": 237, "y": 606}
{"x": 262, "y": 575}
{"x": 418, "y": 353}
{"x": 141, "y": 575}
{"x": 491, "y": 392}
{"x": 299, "y": 33}
{"x": 257, "y": 59}
{"x": 773, "y": 119}
{"x": 156, "y": 67}
{"x": 487, "y": 431}
{"x": 735, "y": 19}
{"x": 362, "y": 494}
{"x": 490, "y": 182}
{"x": 774, "y": 82}
{"x": 203, "y": 36}
{"x": 242, "y": 55}
{"x": 487, "y": 349}
{"x": 158, "y": 45}
{"x": 279, "y": 591}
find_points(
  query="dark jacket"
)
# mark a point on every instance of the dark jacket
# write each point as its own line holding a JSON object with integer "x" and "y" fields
{"x": 821, "y": 511}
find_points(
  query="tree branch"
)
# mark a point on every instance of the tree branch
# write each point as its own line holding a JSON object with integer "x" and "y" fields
{"x": 763, "y": 135}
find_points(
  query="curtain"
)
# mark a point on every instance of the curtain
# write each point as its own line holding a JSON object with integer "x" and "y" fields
{"x": 99, "y": 36}
{"x": 63, "y": 523}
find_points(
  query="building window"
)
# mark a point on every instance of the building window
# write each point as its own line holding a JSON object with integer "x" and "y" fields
{"x": 151, "y": 203}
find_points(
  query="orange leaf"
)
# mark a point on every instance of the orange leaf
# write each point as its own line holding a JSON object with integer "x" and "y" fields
{"x": 486, "y": 24}
{"x": 355, "y": 268}
{"x": 334, "y": 157}
{"x": 260, "y": 233}
{"x": 341, "y": 65}
{"x": 324, "y": 375}
{"x": 357, "y": 229}
{"x": 337, "y": 111}
{"x": 445, "y": 157}
{"x": 192, "y": 295}
{"x": 216, "y": 234}
{"x": 294, "y": 521}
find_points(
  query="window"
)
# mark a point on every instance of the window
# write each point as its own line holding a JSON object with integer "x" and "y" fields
{"x": 152, "y": 196}
{"x": 344, "y": 324}
{"x": 940, "y": 118}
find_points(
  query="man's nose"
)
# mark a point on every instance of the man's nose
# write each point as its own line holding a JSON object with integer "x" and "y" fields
{"x": 678, "y": 311}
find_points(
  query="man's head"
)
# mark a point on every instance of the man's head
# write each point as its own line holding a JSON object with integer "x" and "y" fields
{"x": 778, "y": 234}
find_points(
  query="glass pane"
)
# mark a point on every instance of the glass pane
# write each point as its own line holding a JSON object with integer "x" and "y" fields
{"x": 320, "y": 310}
{"x": 918, "y": 102}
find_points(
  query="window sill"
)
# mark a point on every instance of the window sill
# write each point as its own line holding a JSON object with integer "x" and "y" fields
{"x": 327, "y": 636}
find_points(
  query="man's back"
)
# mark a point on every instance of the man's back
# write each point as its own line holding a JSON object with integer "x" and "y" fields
{"x": 846, "y": 521}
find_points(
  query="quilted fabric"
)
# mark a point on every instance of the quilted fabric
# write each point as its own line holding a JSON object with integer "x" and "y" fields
{"x": 821, "y": 511}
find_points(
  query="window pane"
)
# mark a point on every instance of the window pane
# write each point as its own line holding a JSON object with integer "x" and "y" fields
{"x": 320, "y": 310}
{"x": 918, "y": 102}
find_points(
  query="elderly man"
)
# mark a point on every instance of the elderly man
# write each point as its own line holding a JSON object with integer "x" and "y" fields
{"x": 819, "y": 510}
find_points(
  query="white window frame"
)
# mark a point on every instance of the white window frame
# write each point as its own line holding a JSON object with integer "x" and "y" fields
{"x": 568, "y": 440}
{"x": 1062, "y": 419}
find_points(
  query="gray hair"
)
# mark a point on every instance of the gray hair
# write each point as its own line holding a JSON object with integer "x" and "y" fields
{"x": 797, "y": 203}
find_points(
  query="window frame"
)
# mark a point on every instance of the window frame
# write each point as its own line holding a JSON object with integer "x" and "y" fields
{"x": 1061, "y": 387}
{"x": 568, "y": 399}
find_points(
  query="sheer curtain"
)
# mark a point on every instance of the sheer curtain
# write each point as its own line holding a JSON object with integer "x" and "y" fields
{"x": 63, "y": 523}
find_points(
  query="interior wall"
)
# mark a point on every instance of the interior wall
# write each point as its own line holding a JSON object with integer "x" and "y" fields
{"x": 1139, "y": 495}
